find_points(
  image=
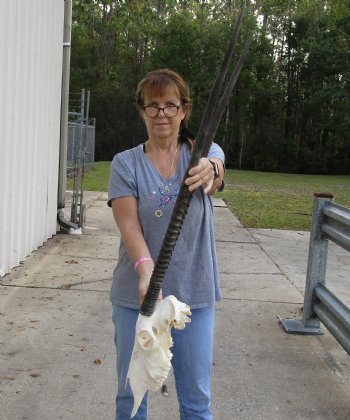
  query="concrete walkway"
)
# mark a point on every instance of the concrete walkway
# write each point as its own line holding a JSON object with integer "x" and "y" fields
{"x": 56, "y": 336}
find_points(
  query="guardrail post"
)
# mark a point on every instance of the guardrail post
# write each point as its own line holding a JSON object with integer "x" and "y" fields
{"x": 316, "y": 272}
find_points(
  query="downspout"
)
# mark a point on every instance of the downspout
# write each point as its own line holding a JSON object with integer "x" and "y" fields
{"x": 62, "y": 171}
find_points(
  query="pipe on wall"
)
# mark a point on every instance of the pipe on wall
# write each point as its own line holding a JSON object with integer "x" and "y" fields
{"x": 62, "y": 171}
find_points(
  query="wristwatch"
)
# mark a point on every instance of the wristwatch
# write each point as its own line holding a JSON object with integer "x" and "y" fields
{"x": 215, "y": 169}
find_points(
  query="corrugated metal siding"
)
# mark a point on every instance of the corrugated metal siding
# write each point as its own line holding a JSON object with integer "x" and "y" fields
{"x": 31, "y": 34}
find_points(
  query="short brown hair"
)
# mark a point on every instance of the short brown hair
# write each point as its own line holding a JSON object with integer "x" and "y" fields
{"x": 157, "y": 82}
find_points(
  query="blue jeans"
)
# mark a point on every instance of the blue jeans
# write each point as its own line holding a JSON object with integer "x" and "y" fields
{"x": 192, "y": 362}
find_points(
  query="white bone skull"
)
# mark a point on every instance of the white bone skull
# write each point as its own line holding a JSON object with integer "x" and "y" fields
{"x": 151, "y": 356}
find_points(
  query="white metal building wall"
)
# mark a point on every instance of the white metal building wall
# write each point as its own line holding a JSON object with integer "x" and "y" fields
{"x": 31, "y": 34}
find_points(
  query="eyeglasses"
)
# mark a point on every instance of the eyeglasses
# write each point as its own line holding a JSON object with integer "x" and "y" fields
{"x": 170, "y": 111}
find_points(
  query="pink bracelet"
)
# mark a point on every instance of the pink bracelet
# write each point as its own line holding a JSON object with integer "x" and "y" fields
{"x": 141, "y": 260}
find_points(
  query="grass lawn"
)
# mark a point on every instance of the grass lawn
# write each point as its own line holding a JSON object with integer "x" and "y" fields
{"x": 260, "y": 199}
{"x": 280, "y": 201}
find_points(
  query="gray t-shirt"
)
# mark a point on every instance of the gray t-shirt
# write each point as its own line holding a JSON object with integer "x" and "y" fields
{"x": 192, "y": 275}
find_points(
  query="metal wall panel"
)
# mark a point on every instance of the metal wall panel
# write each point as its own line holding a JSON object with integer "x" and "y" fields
{"x": 31, "y": 34}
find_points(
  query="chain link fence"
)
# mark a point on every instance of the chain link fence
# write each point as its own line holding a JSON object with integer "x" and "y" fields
{"x": 81, "y": 142}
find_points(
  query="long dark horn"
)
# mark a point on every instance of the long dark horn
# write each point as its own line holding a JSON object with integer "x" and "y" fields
{"x": 206, "y": 133}
{"x": 227, "y": 93}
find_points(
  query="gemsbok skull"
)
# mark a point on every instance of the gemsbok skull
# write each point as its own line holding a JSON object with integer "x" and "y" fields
{"x": 151, "y": 357}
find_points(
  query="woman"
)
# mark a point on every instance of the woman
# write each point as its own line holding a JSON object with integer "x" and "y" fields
{"x": 144, "y": 184}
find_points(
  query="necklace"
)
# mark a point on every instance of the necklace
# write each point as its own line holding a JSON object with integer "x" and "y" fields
{"x": 166, "y": 185}
{"x": 166, "y": 195}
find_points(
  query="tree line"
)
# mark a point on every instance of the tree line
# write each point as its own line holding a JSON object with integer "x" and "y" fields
{"x": 290, "y": 109}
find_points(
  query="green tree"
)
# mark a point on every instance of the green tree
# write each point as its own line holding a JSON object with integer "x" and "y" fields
{"x": 290, "y": 108}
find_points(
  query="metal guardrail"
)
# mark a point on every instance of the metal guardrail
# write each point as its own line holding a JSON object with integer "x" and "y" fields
{"x": 330, "y": 222}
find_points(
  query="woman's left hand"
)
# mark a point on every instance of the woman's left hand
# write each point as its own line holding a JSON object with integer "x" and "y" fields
{"x": 201, "y": 175}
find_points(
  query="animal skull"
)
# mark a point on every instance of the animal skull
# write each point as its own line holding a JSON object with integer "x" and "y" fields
{"x": 151, "y": 356}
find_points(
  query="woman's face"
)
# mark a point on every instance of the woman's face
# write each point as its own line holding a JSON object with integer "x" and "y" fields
{"x": 163, "y": 126}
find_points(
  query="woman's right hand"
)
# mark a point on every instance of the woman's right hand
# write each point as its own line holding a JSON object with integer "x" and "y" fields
{"x": 145, "y": 271}
{"x": 143, "y": 287}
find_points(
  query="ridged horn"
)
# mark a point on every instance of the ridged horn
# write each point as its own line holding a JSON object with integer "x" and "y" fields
{"x": 210, "y": 122}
